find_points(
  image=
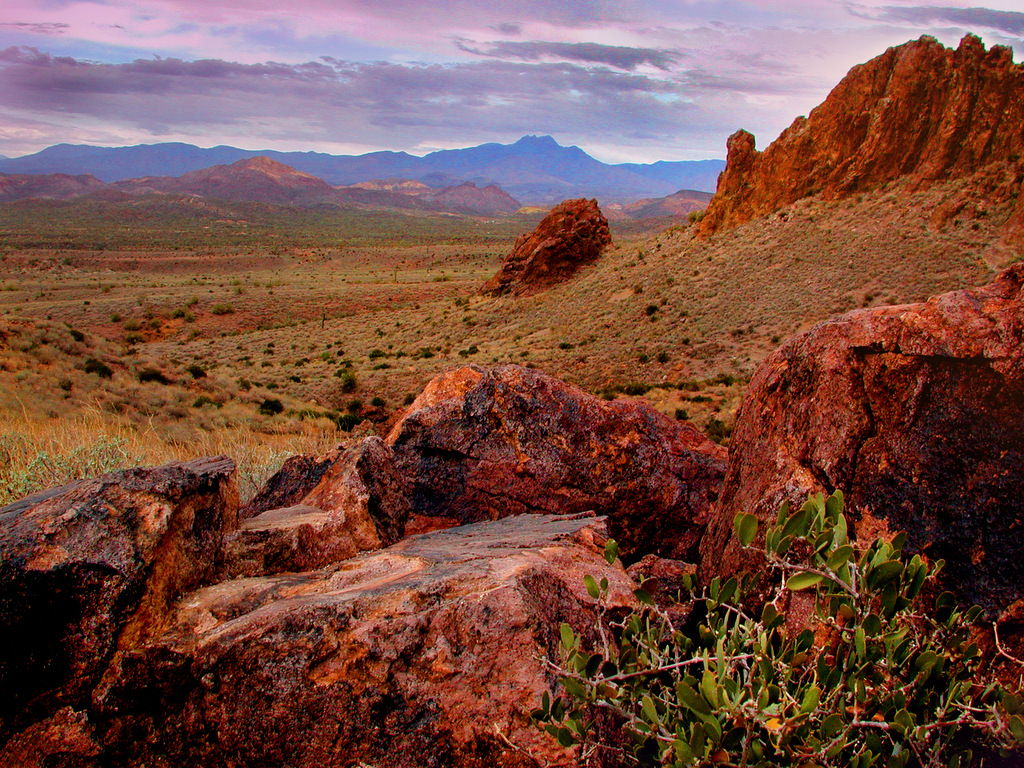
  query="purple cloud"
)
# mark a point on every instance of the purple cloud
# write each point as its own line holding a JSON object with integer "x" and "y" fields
{"x": 619, "y": 56}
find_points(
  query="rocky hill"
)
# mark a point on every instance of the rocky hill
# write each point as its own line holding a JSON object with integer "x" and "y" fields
{"x": 57, "y": 186}
{"x": 266, "y": 181}
{"x": 919, "y": 111}
{"x": 255, "y": 179}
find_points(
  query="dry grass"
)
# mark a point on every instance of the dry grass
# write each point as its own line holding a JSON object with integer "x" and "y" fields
{"x": 38, "y": 454}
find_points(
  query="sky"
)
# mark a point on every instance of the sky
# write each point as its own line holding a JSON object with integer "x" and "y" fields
{"x": 626, "y": 80}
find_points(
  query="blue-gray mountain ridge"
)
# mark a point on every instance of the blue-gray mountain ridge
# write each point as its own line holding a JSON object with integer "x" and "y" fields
{"x": 536, "y": 169}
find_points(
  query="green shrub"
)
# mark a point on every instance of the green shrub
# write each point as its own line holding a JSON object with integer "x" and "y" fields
{"x": 146, "y": 375}
{"x": 222, "y": 309}
{"x": 270, "y": 406}
{"x": 872, "y": 675}
{"x": 378, "y": 402}
{"x": 716, "y": 429}
{"x": 196, "y": 371}
{"x": 348, "y": 381}
{"x": 101, "y": 369}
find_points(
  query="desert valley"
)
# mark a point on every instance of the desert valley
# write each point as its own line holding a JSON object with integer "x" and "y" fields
{"x": 315, "y": 460}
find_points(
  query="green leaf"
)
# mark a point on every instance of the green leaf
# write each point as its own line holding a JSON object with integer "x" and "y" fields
{"x": 872, "y": 625}
{"x": 834, "y": 506}
{"x": 841, "y": 536}
{"x": 811, "y": 699}
{"x": 650, "y": 712}
{"x": 798, "y": 523}
{"x": 832, "y": 725}
{"x": 643, "y": 597}
{"x": 611, "y": 551}
{"x": 843, "y": 554}
{"x": 565, "y": 738}
{"x": 574, "y": 688}
{"x": 802, "y": 580}
{"x": 860, "y": 643}
{"x": 885, "y": 572}
{"x": 783, "y": 513}
{"x": 689, "y": 698}
{"x": 1017, "y": 727}
{"x": 568, "y": 638}
{"x": 745, "y": 526}
{"x": 591, "y": 585}
{"x": 926, "y": 661}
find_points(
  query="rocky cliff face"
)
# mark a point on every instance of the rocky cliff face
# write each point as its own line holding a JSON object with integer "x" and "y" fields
{"x": 916, "y": 413}
{"x": 919, "y": 110}
{"x": 573, "y": 234}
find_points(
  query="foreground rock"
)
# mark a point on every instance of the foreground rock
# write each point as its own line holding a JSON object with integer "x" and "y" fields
{"x": 573, "y": 234}
{"x": 483, "y": 444}
{"x": 321, "y": 509}
{"x": 916, "y": 413}
{"x": 88, "y": 572}
{"x": 417, "y": 655}
{"x": 919, "y": 110}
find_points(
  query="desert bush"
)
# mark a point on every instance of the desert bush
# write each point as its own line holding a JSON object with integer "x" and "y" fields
{"x": 146, "y": 375}
{"x": 101, "y": 369}
{"x": 270, "y": 406}
{"x": 716, "y": 429}
{"x": 222, "y": 309}
{"x": 348, "y": 381}
{"x": 875, "y": 675}
{"x": 196, "y": 371}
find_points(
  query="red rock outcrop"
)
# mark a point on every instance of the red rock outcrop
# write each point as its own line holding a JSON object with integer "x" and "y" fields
{"x": 918, "y": 110}
{"x": 321, "y": 509}
{"x": 573, "y": 234}
{"x": 88, "y": 572}
{"x": 483, "y": 444}
{"x": 417, "y": 655}
{"x": 916, "y": 413}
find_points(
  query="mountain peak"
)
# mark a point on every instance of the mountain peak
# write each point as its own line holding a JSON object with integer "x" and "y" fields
{"x": 267, "y": 166}
{"x": 538, "y": 142}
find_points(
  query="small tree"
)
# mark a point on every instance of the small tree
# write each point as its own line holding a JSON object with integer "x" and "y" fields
{"x": 875, "y": 676}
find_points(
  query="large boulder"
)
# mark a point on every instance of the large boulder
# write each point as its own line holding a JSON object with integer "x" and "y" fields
{"x": 321, "y": 509}
{"x": 429, "y": 653}
{"x": 574, "y": 233}
{"x": 916, "y": 413}
{"x": 88, "y": 571}
{"x": 483, "y": 444}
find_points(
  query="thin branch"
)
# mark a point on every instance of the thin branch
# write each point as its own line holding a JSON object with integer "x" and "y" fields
{"x": 1000, "y": 648}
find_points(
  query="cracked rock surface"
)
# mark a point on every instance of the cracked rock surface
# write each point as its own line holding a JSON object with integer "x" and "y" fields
{"x": 482, "y": 444}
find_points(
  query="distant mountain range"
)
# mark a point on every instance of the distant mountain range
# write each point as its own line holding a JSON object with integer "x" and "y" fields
{"x": 536, "y": 170}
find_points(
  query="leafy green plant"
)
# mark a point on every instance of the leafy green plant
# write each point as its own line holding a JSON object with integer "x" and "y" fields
{"x": 871, "y": 674}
